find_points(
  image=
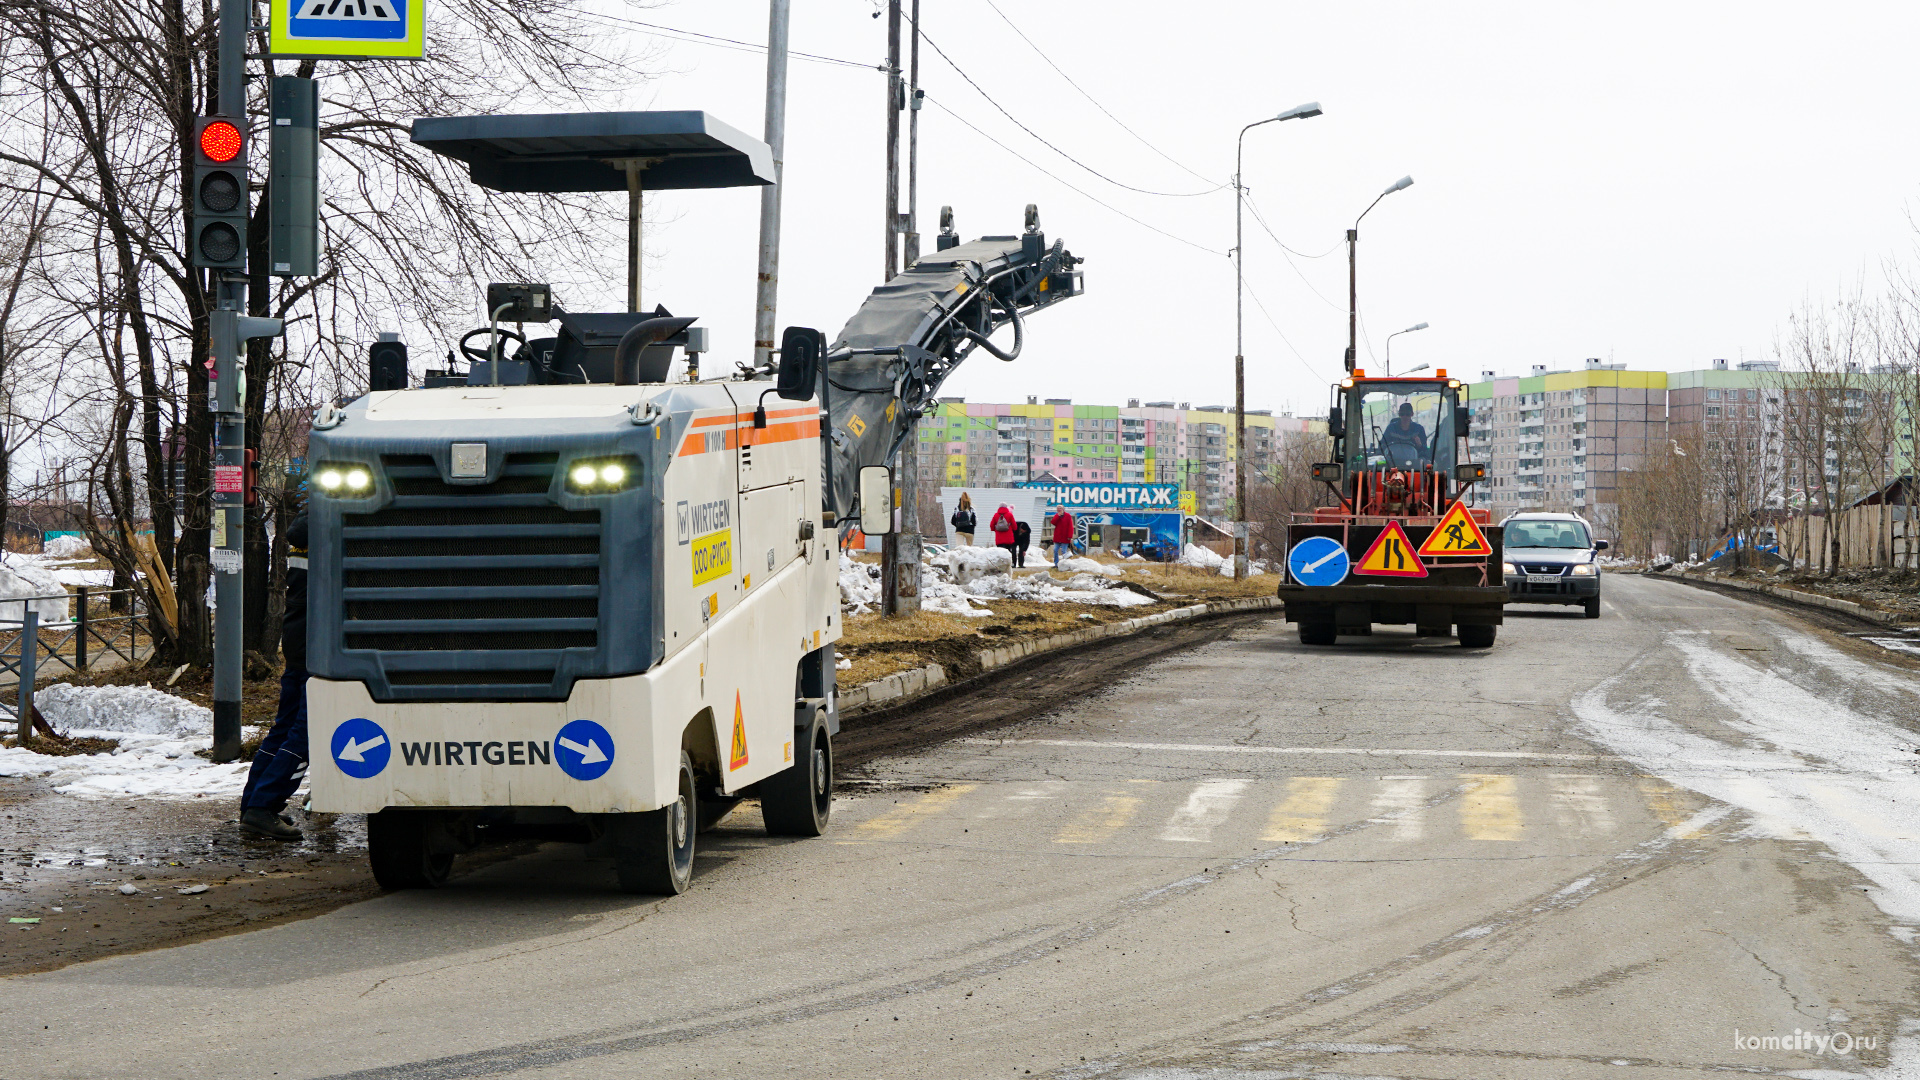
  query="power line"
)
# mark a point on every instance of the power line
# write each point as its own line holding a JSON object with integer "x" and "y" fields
{"x": 1083, "y": 93}
{"x": 696, "y": 38}
{"x": 1276, "y": 239}
{"x": 1042, "y": 141}
{"x": 1070, "y": 187}
{"x": 1304, "y": 362}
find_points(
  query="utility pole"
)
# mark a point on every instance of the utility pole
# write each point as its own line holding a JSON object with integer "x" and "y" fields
{"x": 913, "y": 143}
{"x": 900, "y": 549}
{"x": 767, "y": 288}
{"x": 229, "y": 426}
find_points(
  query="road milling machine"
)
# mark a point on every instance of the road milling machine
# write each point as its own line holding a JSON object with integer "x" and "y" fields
{"x": 584, "y": 588}
{"x": 1401, "y": 545}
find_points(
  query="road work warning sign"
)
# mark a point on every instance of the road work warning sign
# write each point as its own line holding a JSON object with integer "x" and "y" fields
{"x": 738, "y": 758}
{"x": 1457, "y": 534}
{"x": 1391, "y": 555}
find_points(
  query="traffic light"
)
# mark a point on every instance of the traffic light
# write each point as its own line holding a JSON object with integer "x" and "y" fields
{"x": 217, "y": 236}
{"x": 293, "y": 150}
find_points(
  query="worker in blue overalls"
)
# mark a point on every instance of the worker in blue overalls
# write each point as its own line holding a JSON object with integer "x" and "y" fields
{"x": 281, "y": 762}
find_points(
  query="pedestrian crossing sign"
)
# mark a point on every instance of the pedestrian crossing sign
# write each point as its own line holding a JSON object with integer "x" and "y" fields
{"x": 1457, "y": 534}
{"x": 1391, "y": 555}
{"x": 738, "y": 758}
{"x": 347, "y": 29}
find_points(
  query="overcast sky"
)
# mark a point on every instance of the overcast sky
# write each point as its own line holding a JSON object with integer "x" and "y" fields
{"x": 1654, "y": 184}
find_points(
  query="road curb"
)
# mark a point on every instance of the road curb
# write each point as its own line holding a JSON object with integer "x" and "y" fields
{"x": 904, "y": 686}
{"x": 1792, "y": 596}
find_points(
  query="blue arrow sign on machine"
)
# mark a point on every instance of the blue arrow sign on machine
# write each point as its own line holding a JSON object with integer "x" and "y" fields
{"x": 1318, "y": 560}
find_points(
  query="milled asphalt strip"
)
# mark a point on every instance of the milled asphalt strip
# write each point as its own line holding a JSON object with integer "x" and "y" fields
{"x": 1206, "y": 748}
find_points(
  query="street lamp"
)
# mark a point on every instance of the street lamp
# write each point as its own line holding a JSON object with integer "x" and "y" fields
{"x": 1353, "y": 290}
{"x": 1395, "y": 334}
{"x": 1298, "y": 112}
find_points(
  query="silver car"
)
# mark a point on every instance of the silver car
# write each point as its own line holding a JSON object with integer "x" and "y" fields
{"x": 1551, "y": 559}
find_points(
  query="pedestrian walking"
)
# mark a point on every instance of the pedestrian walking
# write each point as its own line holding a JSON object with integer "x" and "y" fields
{"x": 1062, "y": 535}
{"x": 1022, "y": 539}
{"x": 281, "y": 762}
{"x": 1003, "y": 525}
{"x": 964, "y": 520}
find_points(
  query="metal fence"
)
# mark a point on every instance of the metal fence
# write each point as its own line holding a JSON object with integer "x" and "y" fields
{"x": 18, "y": 658}
{"x": 105, "y": 626}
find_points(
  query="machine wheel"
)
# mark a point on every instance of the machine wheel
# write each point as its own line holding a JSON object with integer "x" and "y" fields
{"x": 402, "y": 854}
{"x": 798, "y": 801}
{"x": 653, "y": 852}
{"x": 1318, "y": 633}
{"x": 1477, "y": 637}
{"x": 1593, "y": 607}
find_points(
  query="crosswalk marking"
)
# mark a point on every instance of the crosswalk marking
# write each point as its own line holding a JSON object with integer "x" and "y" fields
{"x": 1578, "y": 806}
{"x": 1667, "y": 803}
{"x": 1302, "y": 816}
{"x": 901, "y": 816}
{"x": 1096, "y": 823}
{"x": 1490, "y": 808}
{"x": 1401, "y": 803}
{"x": 1205, "y": 809}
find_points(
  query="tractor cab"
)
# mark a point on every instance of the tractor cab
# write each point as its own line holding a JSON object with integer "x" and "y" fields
{"x": 1397, "y": 441}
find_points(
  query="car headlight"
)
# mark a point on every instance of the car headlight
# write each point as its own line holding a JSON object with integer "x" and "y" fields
{"x": 343, "y": 480}
{"x": 1584, "y": 570}
{"x": 1507, "y": 568}
{"x": 602, "y": 476}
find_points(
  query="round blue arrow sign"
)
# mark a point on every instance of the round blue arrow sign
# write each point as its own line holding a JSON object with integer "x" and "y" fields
{"x": 583, "y": 750}
{"x": 360, "y": 748}
{"x": 1319, "y": 561}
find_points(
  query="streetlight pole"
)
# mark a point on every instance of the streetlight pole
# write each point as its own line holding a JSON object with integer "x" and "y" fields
{"x": 1353, "y": 287}
{"x": 1298, "y": 112}
{"x": 1395, "y": 334}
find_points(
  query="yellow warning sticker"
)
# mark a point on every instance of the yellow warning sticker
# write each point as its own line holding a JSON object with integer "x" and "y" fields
{"x": 739, "y": 756}
{"x": 857, "y": 426}
{"x": 1457, "y": 534}
{"x": 1391, "y": 555}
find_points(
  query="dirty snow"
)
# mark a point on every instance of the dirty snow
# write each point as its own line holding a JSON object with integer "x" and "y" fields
{"x": 158, "y": 735}
{"x": 24, "y": 576}
{"x": 956, "y": 580}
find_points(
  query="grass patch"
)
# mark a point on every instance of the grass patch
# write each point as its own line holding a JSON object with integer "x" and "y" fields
{"x": 73, "y": 747}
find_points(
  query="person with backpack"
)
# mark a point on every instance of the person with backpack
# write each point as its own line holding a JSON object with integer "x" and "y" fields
{"x": 1003, "y": 524}
{"x": 964, "y": 520}
{"x": 1062, "y": 535}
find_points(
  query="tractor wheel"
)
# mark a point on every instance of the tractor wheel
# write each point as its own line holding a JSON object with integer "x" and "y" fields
{"x": 1477, "y": 637}
{"x": 1317, "y": 633}
{"x": 401, "y": 852}
{"x": 798, "y": 801}
{"x": 653, "y": 852}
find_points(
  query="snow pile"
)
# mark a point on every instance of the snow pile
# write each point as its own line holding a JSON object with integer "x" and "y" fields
{"x": 68, "y": 547}
{"x": 1045, "y": 589}
{"x": 1080, "y": 564}
{"x": 859, "y": 587}
{"x": 138, "y": 710}
{"x": 20, "y": 578}
{"x": 1204, "y": 558}
{"x": 158, "y": 735}
{"x": 946, "y": 598}
{"x": 967, "y": 564}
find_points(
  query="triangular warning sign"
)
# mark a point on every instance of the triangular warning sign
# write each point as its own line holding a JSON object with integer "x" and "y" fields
{"x": 739, "y": 756}
{"x": 1391, "y": 555}
{"x": 1457, "y": 534}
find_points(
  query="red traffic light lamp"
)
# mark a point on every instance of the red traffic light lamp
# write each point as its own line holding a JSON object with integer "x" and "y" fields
{"x": 221, "y": 141}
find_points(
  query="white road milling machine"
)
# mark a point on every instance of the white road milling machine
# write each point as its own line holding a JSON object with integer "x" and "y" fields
{"x": 580, "y": 591}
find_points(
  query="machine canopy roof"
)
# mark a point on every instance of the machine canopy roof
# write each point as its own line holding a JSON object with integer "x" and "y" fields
{"x": 554, "y": 152}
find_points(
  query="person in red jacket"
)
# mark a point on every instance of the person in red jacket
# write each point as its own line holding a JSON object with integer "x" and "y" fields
{"x": 1062, "y": 535}
{"x": 1002, "y": 526}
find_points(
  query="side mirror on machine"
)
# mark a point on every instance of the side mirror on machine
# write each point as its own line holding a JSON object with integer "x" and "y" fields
{"x": 876, "y": 500}
{"x": 801, "y": 348}
{"x": 1336, "y": 424}
{"x": 1468, "y": 474}
{"x": 1462, "y": 417}
{"x": 1327, "y": 472}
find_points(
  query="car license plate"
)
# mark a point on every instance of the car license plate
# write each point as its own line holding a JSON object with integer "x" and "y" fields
{"x": 1543, "y": 579}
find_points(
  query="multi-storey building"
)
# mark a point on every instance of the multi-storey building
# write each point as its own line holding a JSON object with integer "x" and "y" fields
{"x": 1557, "y": 440}
{"x": 988, "y": 443}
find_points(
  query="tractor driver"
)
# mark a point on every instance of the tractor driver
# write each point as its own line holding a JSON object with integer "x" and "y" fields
{"x": 1404, "y": 443}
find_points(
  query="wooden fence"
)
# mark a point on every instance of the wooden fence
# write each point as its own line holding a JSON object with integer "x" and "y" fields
{"x": 1863, "y": 537}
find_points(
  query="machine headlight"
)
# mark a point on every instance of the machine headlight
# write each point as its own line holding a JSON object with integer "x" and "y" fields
{"x": 1584, "y": 570}
{"x": 343, "y": 479}
{"x": 603, "y": 476}
{"x": 1507, "y": 568}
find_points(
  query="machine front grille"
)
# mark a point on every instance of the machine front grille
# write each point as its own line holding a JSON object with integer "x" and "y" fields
{"x": 468, "y": 591}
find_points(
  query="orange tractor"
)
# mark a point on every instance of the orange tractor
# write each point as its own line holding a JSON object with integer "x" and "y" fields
{"x": 1402, "y": 546}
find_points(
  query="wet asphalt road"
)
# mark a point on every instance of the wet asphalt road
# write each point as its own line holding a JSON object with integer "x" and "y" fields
{"x": 1615, "y": 848}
